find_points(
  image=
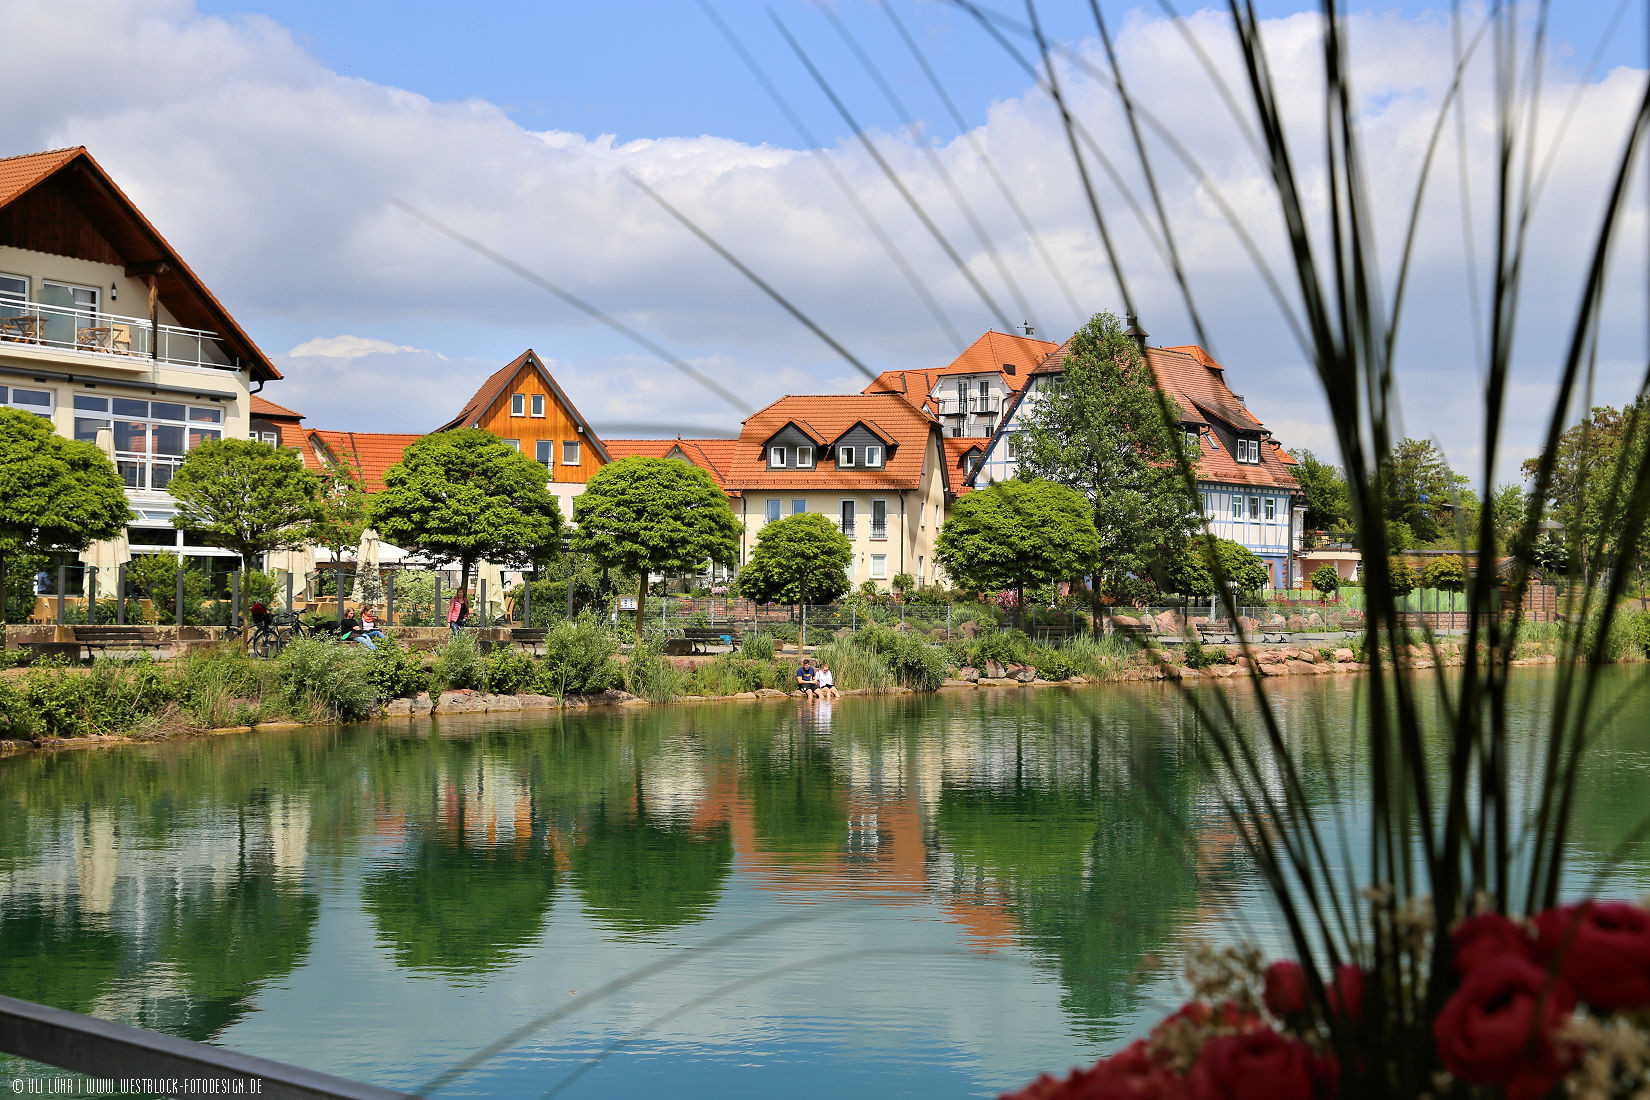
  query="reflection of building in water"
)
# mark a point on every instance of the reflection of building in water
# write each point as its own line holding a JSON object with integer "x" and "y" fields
{"x": 97, "y": 860}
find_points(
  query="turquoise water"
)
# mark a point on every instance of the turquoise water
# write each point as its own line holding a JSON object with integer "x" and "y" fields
{"x": 904, "y": 896}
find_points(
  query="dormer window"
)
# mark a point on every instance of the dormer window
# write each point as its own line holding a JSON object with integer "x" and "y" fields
{"x": 518, "y": 404}
{"x": 1248, "y": 449}
{"x": 873, "y": 455}
{"x": 776, "y": 458}
{"x": 538, "y": 404}
{"x": 804, "y": 457}
{"x": 845, "y": 456}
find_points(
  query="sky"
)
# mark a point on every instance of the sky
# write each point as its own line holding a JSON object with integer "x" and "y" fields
{"x": 276, "y": 143}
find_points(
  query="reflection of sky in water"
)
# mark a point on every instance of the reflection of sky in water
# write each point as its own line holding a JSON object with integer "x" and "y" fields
{"x": 379, "y": 902}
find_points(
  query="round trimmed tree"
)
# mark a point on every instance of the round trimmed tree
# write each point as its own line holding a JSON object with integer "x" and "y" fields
{"x": 55, "y": 493}
{"x": 644, "y": 514}
{"x": 245, "y": 496}
{"x": 800, "y": 559}
{"x": 1325, "y": 581}
{"x": 1017, "y": 534}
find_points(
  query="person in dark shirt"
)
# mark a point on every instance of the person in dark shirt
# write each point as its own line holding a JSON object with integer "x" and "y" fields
{"x": 806, "y": 682}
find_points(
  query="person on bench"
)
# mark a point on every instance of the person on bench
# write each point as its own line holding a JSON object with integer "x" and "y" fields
{"x": 806, "y": 681}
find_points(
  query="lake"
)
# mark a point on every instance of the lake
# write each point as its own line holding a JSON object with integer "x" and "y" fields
{"x": 910, "y": 895}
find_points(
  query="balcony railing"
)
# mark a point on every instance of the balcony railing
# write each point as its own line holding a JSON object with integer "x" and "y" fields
{"x": 957, "y": 406}
{"x": 109, "y": 334}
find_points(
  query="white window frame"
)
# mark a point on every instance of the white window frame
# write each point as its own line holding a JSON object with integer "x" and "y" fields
{"x": 544, "y": 452}
{"x": 804, "y": 457}
{"x": 9, "y": 401}
{"x": 518, "y": 404}
{"x": 536, "y": 406}
{"x": 776, "y": 458}
{"x": 514, "y": 445}
{"x": 845, "y": 457}
{"x": 772, "y": 509}
{"x": 1237, "y": 506}
{"x": 796, "y": 511}
{"x": 873, "y": 456}
{"x": 1254, "y": 508}
{"x": 879, "y": 567}
{"x": 1271, "y": 508}
{"x": 884, "y": 536}
{"x": 847, "y": 516}
{"x": 922, "y": 514}
{"x": 24, "y": 279}
{"x": 570, "y": 447}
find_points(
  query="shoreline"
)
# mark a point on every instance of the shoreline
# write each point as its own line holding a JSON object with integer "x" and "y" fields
{"x": 1272, "y": 663}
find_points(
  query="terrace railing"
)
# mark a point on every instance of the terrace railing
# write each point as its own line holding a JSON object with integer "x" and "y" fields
{"x": 66, "y": 328}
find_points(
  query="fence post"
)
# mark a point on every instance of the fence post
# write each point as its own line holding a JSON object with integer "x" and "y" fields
{"x": 481, "y": 598}
{"x": 289, "y": 591}
{"x": 437, "y": 617}
{"x": 179, "y": 612}
{"x": 62, "y": 585}
{"x": 235, "y": 600}
{"x": 389, "y": 600}
{"x": 89, "y": 590}
{"x": 338, "y": 580}
{"x": 120, "y": 595}
{"x": 948, "y": 622}
{"x": 527, "y": 599}
{"x": 570, "y": 598}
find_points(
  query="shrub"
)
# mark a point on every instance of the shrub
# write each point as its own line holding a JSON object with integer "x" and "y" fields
{"x": 730, "y": 673}
{"x": 917, "y": 664}
{"x": 1098, "y": 657}
{"x": 1199, "y": 655}
{"x": 1007, "y": 647}
{"x": 855, "y": 668}
{"x": 759, "y": 646}
{"x": 458, "y": 665}
{"x": 320, "y": 678}
{"x": 222, "y": 686}
{"x": 17, "y": 717}
{"x": 1052, "y": 664}
{"x": 650, "y": 675}
{"x": 578, "y": 659}
{"x": 508, "y": 671}
{"x": 396, "y": 672}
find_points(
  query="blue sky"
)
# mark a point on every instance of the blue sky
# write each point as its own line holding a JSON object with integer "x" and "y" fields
{"x": 269, "y": 141}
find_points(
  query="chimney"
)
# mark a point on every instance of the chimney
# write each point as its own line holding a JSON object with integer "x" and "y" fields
{"x": 1009, "y": 368}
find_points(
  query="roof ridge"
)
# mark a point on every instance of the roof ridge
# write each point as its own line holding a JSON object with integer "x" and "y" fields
{"x": 45, "y": 152}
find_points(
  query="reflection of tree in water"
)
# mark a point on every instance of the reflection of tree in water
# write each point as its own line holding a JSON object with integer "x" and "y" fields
{"x": 55, "y": 954}
{"x": 641, "y": 874}
{"x": 1091, "y": 861}
{"x": 226, "y": 940}
{"x": 796, "y": 797}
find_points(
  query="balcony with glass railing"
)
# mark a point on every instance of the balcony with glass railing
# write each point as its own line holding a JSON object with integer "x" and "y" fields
{"x": 31, "y": 324}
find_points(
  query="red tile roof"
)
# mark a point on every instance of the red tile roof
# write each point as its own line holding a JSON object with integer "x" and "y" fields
{"x": 135, "y": 239}
{"x": 826, "y": 417}
{"x": 987, "y": 355}
{"x": 714, "y": 456}
{"x": 955, "y": 448}
{"x": 497, "y": 382}
{"x": 368, "y": 454}
{"x": 266, "y": 409}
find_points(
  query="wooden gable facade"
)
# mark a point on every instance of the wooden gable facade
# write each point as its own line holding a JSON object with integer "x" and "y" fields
{"x": 522, "y": 404}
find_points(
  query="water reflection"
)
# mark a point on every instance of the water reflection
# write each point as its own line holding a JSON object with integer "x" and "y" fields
{"x": 216, "y": 889}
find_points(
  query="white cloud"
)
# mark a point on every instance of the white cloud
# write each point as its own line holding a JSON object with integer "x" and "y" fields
{"x": 345, "y": 347}
{"x": 275, "y": 176}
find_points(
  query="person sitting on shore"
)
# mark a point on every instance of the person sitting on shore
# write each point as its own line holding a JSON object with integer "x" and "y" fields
{"x": 827, "y": 682}
{"x": 350, "y": 630}
{"x": 369, "y": 624}
{"x": 806, "y": 682}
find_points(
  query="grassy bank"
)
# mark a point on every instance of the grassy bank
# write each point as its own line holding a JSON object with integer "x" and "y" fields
{"x": 317, "y": 680}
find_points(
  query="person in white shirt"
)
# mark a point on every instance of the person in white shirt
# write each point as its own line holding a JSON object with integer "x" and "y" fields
{"x": 827, "y": 682}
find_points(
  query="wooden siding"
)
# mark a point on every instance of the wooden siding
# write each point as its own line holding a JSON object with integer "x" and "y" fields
{"x": 555, "y": 425}
{"x": 48, "y": 220}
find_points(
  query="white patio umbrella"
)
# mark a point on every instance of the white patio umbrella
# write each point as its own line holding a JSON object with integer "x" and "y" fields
{"x": 367, "y": 588}
{"x": 494, "y": 576}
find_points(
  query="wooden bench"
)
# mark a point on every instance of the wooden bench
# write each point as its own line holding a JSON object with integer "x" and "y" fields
{"x": 529, "y": 636}
{"x": 116, "y": 637}
{"x": 1053, "y": 635}
{"x": 700, "y": 636}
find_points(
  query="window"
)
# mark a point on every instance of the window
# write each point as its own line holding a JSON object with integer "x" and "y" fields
{"x": 873, "y": 456}
{"x": 920, "y": 578}
{"x": 804, "y": 457}
{"x": 879, "y": 566}
{"x": 776, "y": 458}
{"x": 772, "y": 509}
{"x": 14, "y": 288}
{"x": 1008, "y": 446}
{"x": 74, "y": 308}
{"x": 271, "y": 438}
{"x": 1237, "y": 506}
{"x": 544, "y": 451}
{"x": 38, "y": 402}
{"x": 518, "y": 404}
{"x": 844, "y": 456}
{"x": 1271, "y": 509}
{"x": 570, "y": 452}
{"x": 1192, "y": 438}
{"x": 1248, "y": 450}
{"x": 538, "y": 404}
{"x": 1206, "y": 509}
{"x": 798, "y": 506}
{"x": 848, "y": 518}
{"x": 1254, "y": 507}
{"x": 879, "y": 519}
{"x": 922, "y": 514}
{"x": 513, "y": 444}
{"x": 150, "y": 437}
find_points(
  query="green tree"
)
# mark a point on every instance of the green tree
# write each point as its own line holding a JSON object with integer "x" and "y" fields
{"x": 1192, "y": 572}
{"x": 1328, "y": 505}
{"x": 1325, "y": 581}
{"x": 1448, "y": 574}
{"x": 1508, "y": 506}
{"x": 1421, "y": 489}
{"x": 1100, "y": 429}
{"x": 466, "y": 495}
{"x": 1585, "y": 496}
{"x": 340, "y": 511}
{"x": 245, "y": 496}
{"x": 800, "y": 559}
{"x": 1404, "y": 578}
{"x": 654, "y": 514}
{"x": 1018, "y": 533}
{"x": 55, "y": 493}
{"x": 904, "y": 584}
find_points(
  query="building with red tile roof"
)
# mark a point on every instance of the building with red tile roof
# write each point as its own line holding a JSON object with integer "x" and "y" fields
{"x": 367, "y": 455}
{"x": 874, "y": 463}
{"x": 276, "y": 424}
{"x": 968, "y": 394}
{"x": 1246, "y": 481}
{"x": 714, "y": 456}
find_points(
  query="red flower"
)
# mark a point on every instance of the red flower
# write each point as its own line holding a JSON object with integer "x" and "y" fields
{"x": 1497, "y": 1028}
{"x": 1348, "y": 994}
{"x": 1226, "y": 1016}
{"x": 1488, "y": 936}
{"x": 1130, "y": 1074}
{"x": 1602, "y": 950}
{"x": 1286, "y": 989}
{"x": 1261, "y": 1065}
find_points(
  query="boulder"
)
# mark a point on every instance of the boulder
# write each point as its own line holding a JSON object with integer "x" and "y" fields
{"x": 503, "y": 702}
{"x": 993, "y": 671}
{"x": 968, "y": 674}
{"x": 957, "y": 683}
{"x": 612, "y": 697}
{"x": 1125, "y": 622}
{"x": 1167, "y": 622}
{"x": 770, "y": 693}
{"x": 970, "y": 629}
{"x": 998, "y": 681}
{"x": 1314, "y": 621}
{"x": 422, "y": 703}
{"x": 398, "y": 708}
{"x": 633, "y": 701}
{"x": 459, "y": 702}
{"x": 1296, "y": 623}
{"x": 537, "y": 702}
{"x": 1343, "y": 656}
{"x": 1023, "y": 673}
